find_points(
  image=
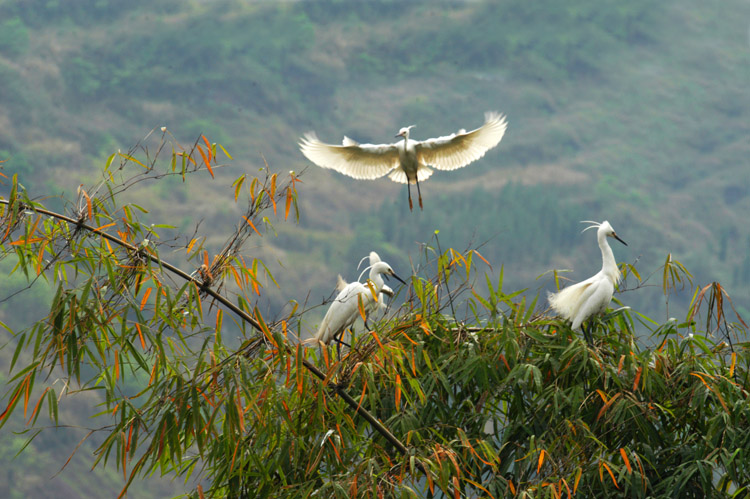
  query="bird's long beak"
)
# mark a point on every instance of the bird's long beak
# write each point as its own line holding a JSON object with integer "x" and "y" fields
{"x": 398, "y": 278}
{"x": 616, "y": 237}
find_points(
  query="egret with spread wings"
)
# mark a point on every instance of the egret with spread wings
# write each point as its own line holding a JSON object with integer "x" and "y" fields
{"x": 408, "y": 161}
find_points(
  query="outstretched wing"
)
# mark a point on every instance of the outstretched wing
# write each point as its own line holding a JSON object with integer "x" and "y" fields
{"x": 460, "y": 149}
{"x": 362, "y": 161}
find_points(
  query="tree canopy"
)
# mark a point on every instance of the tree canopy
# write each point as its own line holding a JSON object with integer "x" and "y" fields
{"x": 456, "y": 392}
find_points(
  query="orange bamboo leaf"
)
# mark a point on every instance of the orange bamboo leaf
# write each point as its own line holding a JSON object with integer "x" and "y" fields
{"x": 361, "y": 397}
{"x": 26, "y": 382}
{"x": 140, "y": 335}
{"x": 627, "y": 461}
{"x": 609, "y": 470}
{"x": 375, "y": 335}
{"x": 36, "y": 407}
{"x": 117, "y": 365}
{"x": 456, "y": 488}
{"x": 153, "y": 374}
{"x": 208, "y": 147}
{"x": 234, "y": 455}
{"x": 288, "y": 203}
{"x": 607, "y": 405}
{"x": 99, "y": 229}
{"x": 273, "y": 200}
{"x": 512, "y": 487}
{"x": 361, "y": 307}
{"x": 205, "y": 160}
{"x": 24, "y": 241}
{"x": 482, "y": 258}
{"x": 398, "y": 392}
{"x": 541, "y": 461}
{"x": 570, "y": 494}
{"x": 251, "y": 224}
{"x": 602, "y": 395}
{"x": 734, "y": 362}
{"x": 502, "y": 357}
{"x": 40, "y": 257}
{"x": 579, "y": 472}
{"x": 637, "y": 378}
{"x": 88, "y": 201}
{"x": 145, "y": 297}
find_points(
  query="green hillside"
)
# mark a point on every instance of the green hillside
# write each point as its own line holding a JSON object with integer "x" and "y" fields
{"x": 633, "y": 112}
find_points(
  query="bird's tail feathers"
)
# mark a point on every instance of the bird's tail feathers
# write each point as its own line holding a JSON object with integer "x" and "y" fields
{"x": 340, "y": 283}
{"x": 566, "y": 300}
{"x": 309, "y": 342}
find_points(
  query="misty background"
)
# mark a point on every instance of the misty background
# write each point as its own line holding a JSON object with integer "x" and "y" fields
{"x": 633, "y": 112}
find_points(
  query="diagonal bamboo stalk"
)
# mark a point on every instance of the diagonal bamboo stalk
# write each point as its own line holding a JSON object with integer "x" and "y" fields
{"x": 367, "y": 415}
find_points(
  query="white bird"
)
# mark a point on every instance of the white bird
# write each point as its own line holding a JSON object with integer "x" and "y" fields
{"x": 345, "y": 307}
{"x": 407, "y": 161}
{"x": 580, "y": 301}
{"x": 372, "y": 306}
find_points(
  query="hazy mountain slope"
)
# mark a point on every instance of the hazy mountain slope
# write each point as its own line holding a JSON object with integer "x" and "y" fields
{"x": 636, "y": 113}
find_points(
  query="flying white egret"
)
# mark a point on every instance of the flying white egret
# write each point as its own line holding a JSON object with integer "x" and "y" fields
{"x": 580, "y": 301}
{"x": 345, "y": 307}
{"x": 407, "y": 161}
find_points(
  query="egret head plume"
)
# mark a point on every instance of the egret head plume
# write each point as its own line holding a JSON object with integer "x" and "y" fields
{"x": 594, "y": 225}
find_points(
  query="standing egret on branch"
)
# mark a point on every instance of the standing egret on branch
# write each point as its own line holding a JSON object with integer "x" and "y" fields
{"x": 373, "y": 307}
{"x": 407, "y": 161}
{"x": 345, "y": 307}
{"x": 580, "y": 301}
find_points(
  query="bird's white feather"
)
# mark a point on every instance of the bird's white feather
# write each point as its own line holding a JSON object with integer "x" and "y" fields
{"x": 399, "y": 175}
{"x": 361, "y": 161}
{"x": 459, "y": 149}
{"x": 580, "y": 301}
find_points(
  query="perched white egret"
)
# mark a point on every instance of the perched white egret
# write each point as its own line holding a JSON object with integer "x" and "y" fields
{"x": 407, "y": 161}
{"x": 373, "y": 306}
{"x": 345, "y": 307}
{"x": 580, "y": 301}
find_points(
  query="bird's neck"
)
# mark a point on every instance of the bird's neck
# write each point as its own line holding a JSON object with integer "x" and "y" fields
{"x": 609, "y": 265}
{"x": 377, "y": 281}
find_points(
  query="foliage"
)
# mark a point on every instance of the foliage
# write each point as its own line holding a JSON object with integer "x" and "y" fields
{"x": 456, "y": 392}
{"x": 14, "y": 37}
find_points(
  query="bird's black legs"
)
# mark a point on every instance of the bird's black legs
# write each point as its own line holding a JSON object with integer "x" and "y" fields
{"x": 420, "y": 195}
{"x": 587, "y": 333}
{"x": 408, "y": 190}
{"x": 340, "y": 342}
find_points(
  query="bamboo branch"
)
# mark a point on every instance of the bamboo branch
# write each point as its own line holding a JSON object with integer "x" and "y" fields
{"x": 379, "y": 427}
